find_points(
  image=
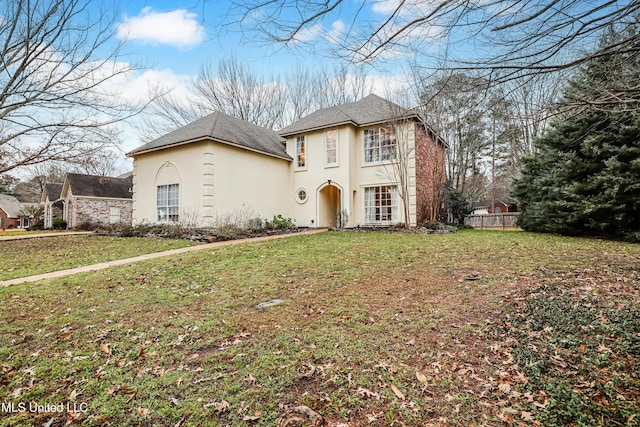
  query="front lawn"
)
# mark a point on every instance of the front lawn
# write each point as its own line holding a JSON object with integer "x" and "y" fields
{"x": 375, "y": 329}
{"x": 29, "y": 257}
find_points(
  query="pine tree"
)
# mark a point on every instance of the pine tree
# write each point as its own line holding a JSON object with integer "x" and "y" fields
{"x": 585, "y": 177}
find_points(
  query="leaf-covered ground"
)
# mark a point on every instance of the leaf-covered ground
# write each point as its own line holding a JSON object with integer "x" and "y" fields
{"x": 376, "y": 329}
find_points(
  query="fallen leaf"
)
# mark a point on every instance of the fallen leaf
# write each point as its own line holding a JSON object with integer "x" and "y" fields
{"x": 504, "y": 387}
{"x": 397, "y": 392}
{"x": 218, "y": 406}
{"x": 422, "y": 378}
{"x": 106, "y": 348}
{"x": 526, "y": 416}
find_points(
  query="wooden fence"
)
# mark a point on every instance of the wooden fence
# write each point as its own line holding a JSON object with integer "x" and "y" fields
{"x": 501, "y": 220}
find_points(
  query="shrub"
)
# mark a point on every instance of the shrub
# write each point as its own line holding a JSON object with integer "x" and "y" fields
{"x": 228, "y": 232}
{"x": 279, "y": 223}
{"x": 88, "y": 226}
{"x": 37, "y": 226}
{"x": 255, "y": 225}
{"x": 59, "y": 224}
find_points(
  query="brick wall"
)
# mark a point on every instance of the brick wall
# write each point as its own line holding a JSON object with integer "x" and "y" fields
{"x": 430, "y": 174}
{"x": 97, "y": 211}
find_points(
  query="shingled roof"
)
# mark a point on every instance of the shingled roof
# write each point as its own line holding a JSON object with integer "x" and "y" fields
{"x": 52, "y": 190}
{"x": 10, "y": 205}
{"x": 367, "y": 111}
{"x": 99, "y": 186}
{"x": 222, "y": 128}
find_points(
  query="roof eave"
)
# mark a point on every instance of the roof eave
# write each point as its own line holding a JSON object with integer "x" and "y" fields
{"x": 203, "y": 139}
{"x": 316, "y": 128}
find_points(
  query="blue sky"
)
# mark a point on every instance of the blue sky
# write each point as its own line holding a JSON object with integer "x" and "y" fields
{"x": 173, "y": 39}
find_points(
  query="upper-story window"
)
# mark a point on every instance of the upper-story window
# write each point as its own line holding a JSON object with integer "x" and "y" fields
{"x": 300, "y": 152}
{"x": 331, "y": 144}
{"x": 379, "y": 144}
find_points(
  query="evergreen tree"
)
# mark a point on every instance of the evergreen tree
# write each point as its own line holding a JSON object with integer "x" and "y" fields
{"x": 585, "y": 177}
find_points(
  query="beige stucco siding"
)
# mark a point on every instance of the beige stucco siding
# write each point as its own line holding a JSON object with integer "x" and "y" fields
{"x": 315, "y": 176}
{"x": 179, "y": 165}
{"x": 351, "y": 175}
{"x": 215, "y": 180}
{"x": 250, "y": 182}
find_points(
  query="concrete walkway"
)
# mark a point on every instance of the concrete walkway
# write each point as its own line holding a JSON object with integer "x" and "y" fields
{"x": 37, "y": 235}
{"x": 108, "y": 264}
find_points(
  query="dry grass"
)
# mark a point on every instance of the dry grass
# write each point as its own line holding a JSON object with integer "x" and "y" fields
{"x": 375, "y": 329}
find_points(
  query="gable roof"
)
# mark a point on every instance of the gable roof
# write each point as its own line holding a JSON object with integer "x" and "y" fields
{"x": 222, "y": 128}
{"x": 10, "y": 205}
{"x": 367, "y": 111}
{"x": 52, "y": 191}
{"x": 98, "y": 186}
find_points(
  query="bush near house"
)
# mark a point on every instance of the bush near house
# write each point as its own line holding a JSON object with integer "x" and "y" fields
{"x": 59, "y": 224}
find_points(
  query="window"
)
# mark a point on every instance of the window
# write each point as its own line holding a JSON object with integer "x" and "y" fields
{"x": 167, "y": 203}
{"x": 331, "y": 144}
{"x": 114, "y": 215}
{"x": 379, "y": 145}
{"x": 301, "y": 195}
{"x": 381, "y": 204}
{"x": 300, "y": 152}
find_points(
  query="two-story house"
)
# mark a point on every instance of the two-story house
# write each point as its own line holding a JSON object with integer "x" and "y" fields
{"x": 369, "y": 162}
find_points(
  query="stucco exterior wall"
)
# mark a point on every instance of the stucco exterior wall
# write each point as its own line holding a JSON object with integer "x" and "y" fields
{"x": 214, "y": 180}
{"x": 249, "y": 183}
{"x": 351, "y": 175}
{"x": 315, "y": 177}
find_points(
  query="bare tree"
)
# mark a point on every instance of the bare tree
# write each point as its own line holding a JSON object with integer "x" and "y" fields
{"x": 243, "y": 92}
{"x": 55, "y": 101}
{"x": 453, "y": 104}
{"x": 510, "y": 39}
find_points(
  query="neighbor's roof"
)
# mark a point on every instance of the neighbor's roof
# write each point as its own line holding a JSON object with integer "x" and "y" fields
{"x": 10, "y": 205}
{"x": 225, "y": 129}
{"x": 52, "y": 190}
{"x": 99, "y": 186}
{"x": 367, "y": 111}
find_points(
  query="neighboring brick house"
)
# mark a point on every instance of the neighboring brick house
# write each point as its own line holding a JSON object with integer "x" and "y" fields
{"x": 89, "y": 199}
{"x": 9, "y": 213}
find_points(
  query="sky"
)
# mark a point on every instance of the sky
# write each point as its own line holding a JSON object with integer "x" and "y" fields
{"x": 173, "y": 39}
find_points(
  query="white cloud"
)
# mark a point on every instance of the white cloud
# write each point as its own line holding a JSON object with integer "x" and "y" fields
{"x": 136, "y": 87}
{"x": 308, "y": 34}
{"x": 337, "y": 29}
{"x": 176, "y": 28}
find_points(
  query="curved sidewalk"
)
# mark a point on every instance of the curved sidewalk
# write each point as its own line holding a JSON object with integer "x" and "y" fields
{"x": 108, "y": 264}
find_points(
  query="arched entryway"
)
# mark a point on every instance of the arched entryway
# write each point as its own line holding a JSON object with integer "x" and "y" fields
{"x": 329, "y": 204}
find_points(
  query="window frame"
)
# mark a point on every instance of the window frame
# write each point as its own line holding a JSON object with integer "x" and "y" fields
{"x": 380, "y": 145}
{"x": 333, "y": 150}
{"x": 172, "y": 209}
{"x": 299, "y": 199}
{"x": 381, "y": 205}
{"x": 301, "y": 151}
{"x": 113, "y": 216}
